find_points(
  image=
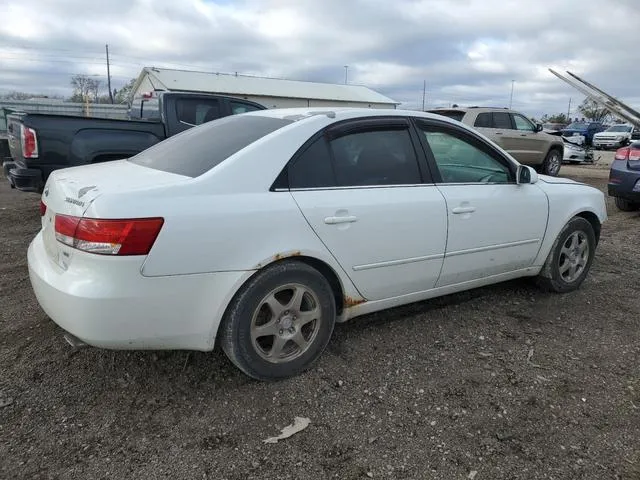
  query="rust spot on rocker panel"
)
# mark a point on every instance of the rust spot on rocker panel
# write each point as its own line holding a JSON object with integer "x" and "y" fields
{"x": 352, "y": 302}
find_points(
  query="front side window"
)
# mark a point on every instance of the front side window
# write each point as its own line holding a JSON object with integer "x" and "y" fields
{"x": 460, "y": 161}
{"x": 502, "y": 120}
{"x": 523, "y": 124}
{"x": 376, "y": 157}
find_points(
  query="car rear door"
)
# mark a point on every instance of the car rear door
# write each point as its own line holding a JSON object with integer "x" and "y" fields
{"x": 364, "y": 189}
{"x": 494, "y": 225}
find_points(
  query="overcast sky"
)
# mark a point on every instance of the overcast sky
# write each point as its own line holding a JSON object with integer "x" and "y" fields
{"x": 468, "y": 51}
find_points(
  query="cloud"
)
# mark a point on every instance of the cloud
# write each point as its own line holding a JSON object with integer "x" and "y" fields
{"x": 467, "y": 51}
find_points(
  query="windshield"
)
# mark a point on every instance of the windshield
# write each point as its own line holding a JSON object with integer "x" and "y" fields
{"x": 578, "y": 125}
{"x": 199, "y": 149}
{"x": 619, "y": 128}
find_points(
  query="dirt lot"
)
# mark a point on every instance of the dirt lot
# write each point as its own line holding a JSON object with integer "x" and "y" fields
{"x": 501, "y": 382}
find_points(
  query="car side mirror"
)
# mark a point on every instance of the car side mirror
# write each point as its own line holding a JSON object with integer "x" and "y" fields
{"x": 526, "y": 174}
{"x": 538, "y": 127}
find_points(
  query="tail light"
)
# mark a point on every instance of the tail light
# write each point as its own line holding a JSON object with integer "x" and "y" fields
{"x": 108, "y": 237}
{"x": 43, "y": 208}
{"x": 29, "y": 141}
{"x": 628, "y": 154}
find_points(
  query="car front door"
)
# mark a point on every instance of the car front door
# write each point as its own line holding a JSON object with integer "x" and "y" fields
{"x": 364, "y": 189}
{"x": 495, "y": 225}
{"x": 532, "y": 146}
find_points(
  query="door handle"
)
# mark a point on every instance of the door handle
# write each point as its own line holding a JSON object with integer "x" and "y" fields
{"x": 523, "y": 134}
{"x": 459, "y": 210}
{"x": 343, "y": 219}
{"x": 498, "y": 133}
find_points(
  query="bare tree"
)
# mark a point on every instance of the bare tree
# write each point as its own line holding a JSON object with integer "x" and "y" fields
{"x": 594, "y": 112}
{"x": 85, "y": 88}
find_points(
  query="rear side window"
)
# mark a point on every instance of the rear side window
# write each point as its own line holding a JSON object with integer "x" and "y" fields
{"x": 312, "y": 169}
{"x": 483, "y": 120}
{"x": 241, "y": 107}
{"x": 196, "y": 111}
{"x": 377, "y": 157}
{"x": 197, "y": 150}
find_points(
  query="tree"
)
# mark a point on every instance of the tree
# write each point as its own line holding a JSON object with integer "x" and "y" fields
{"x": 122, "y": 95}
{"x": 25, "y": 96}
{"x": 85, "y": 88}
{"x": 555, "y": 118}
{"x": 592, "y": 111}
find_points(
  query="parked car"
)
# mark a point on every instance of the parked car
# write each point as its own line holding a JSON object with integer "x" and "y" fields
{"x": 261, "y": 231}
{"x": 511, "y": 130}
{"x": 624, "y": 178}
{"x": 42, "y": 143}
{"x": 615, "y": 136}
{"x": 586, "y": 129}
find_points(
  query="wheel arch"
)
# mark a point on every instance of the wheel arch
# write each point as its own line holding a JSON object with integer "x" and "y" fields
{"x": 342, "y": 299}
{"x": 593, "y": 219}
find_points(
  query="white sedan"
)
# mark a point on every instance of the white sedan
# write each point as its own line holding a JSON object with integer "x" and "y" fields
{"x": 260, "y": 231}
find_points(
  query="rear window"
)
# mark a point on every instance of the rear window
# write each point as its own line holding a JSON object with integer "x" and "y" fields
{"x": 453, "y": 114}
{"x": 199, "y": 149}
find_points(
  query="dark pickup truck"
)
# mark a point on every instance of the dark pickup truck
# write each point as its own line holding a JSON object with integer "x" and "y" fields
{"x": 41, "y": 143}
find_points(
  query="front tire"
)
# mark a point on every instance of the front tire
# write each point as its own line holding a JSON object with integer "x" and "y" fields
{"x": 625, "y": 205}
{"x": 552, "y": 163}
{"x": 280, "y": 321}
{"x": 570, "y": 258}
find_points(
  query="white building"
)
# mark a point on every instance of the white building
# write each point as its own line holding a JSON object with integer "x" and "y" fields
{"x": 270, "y": 92}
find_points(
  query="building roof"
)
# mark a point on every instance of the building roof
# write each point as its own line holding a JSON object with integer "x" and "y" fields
{"x": 230, "y": 84}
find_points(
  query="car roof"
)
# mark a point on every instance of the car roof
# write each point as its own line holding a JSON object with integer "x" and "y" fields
{"x": 345, "y": 113}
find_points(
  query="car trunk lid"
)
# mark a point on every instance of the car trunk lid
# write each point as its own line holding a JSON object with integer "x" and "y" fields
{"x": 70, "y": 192}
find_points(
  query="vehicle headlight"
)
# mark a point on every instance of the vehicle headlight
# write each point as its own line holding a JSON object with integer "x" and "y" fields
{"x": 619, "y": 137}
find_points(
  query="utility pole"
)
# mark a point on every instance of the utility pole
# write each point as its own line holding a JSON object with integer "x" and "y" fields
{"x": 569, "y": 111}
{"x": 109, "y": 75}
{"x": 424, "y": 93}
{"x": 346, "y": 73}
{"x": 511, "y": 97}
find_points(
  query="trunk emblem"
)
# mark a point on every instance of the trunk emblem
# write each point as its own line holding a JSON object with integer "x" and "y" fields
{"x": 84, "y": 190}
{"x": 46, "y": 192}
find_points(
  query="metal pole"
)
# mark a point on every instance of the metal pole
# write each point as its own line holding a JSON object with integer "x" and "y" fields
{"x": 109, "y": 75}
{"x": 424, "y": 93}
{"x": 346, "y": 73}
{"x": 511, "y": 97}
{"x": 569, "y": 111}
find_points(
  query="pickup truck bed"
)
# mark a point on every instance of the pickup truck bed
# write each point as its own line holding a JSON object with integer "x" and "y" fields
{"x": 65, "y": 141}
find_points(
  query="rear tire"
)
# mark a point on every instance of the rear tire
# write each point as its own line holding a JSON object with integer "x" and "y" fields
{"x": 625, "y": 205}
{"x": 570, "y": 258}
{"x": 280, "y": 321}
{"x": 552, "y": 163}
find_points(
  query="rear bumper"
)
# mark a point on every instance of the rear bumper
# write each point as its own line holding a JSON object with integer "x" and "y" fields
{"x": 623, "y": 182}
{"x": 106, "y": 302}
{"x": 24, "y": 179}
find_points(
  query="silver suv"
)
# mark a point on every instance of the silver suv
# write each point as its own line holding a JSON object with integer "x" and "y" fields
{"x": 515, "y": 133}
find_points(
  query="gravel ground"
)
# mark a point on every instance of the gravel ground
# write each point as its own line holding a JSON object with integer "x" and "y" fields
{"x": 500, "y": 382}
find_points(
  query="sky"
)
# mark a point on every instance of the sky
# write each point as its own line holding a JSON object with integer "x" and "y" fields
{"x": 469, "y": 52}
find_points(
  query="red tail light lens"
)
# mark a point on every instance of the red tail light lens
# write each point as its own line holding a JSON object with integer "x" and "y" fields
{"x": 108, "y": 237}
{"x": 622, "y": 153}
{"x": 628, "y": 153}
{"x": 29, "y": 142}
{"x": 43, "y": 208}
